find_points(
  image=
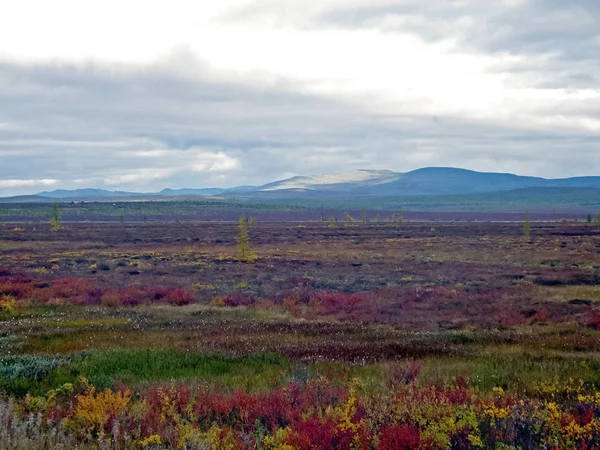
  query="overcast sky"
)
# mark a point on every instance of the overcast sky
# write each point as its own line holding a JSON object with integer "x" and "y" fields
{"x": 142, "y": 94}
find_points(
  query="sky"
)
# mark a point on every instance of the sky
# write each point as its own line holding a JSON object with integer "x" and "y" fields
{"x": 142, "y": 95}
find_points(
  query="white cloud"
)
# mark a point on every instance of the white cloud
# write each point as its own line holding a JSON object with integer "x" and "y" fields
{"x": 214, "y": 162}
{"x": 27, "y": 183}
{"x": 139, "y": 176}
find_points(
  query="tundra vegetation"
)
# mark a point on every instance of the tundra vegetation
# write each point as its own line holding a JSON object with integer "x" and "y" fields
{"x": 367, "y": 336}
{"x": 55, "y": 218}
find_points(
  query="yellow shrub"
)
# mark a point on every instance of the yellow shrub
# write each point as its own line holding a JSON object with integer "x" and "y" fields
{"x": 218, "y": 301}
{"x": 277, "y": 440}
{"x": 220, "y": 438}
{"x": 7, "y": 303}
{"x": 189, "y": 436}
{"x": 150, "y": 441}
{"x": 94, "y": 409}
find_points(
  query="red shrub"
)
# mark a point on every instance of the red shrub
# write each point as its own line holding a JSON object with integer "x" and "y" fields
{"x": 541, "y": 315}
{"x": 78, "y": 291}
{"x": 313, "y": 434}
{"x": 159, "y": 293}
{"x": 399, "y": 437}
{"x": 237, "y": 299}
{"x": 290, "y": 304}
{"x": 178, "y": 297}
{"x": 135, "y": 295}
{"x": 510, "y": 318}
{"x": 15, "y": 289}
{"x": 594, "y": 320}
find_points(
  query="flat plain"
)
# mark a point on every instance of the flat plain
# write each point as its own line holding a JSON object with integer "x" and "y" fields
{"x": 424, "y": 335}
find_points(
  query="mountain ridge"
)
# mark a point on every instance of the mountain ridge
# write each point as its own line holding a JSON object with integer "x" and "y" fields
{"x": 361, "y": 182}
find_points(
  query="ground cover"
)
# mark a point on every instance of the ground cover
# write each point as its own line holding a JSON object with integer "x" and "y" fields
{"x": 341, "y": 335}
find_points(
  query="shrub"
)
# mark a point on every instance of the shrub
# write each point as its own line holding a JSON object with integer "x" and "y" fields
{"x": 97, "y": 410}
{"x": 178, "y": 297}
{"x": 233, "y": 300}
{"x": 78, "y": 291}
{"x": 319, "y": 435}
{"x": 134, "y": 295}
{"x": 594, "y": 320}
{"x": 111, "y": 299}
{"x": 17, "y": 290}
{"x": 7, "y": 303}
{"x": 399, "y": 437}
{"x": 290, "y": 304}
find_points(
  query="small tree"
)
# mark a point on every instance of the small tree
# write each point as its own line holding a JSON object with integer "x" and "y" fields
{"x": 378, "y": 219}
{"x": 244, "y": 251}
{"x": 331, "y": 222}
{"x": 55, "y": 218}
{"x": 527, "y": 228}
{"x": 364, "y": 216}
{"x": 252, "y": 222}
{"x": 589, "y": 218}
{"x": 349, "y": 218}
{"x": 398, "y": 218}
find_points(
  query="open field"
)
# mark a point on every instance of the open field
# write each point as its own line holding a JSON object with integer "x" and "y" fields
{"x": 413, "y": 335}
{"x": 215, "y": 209}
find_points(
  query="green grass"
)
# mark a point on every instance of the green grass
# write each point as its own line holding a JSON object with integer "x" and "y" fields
{"x": 78, "y": 323}
{"x": 40, "y": 373}
{"x": 38, "y": 310}
{"x": 518, "y": 373}
{"x": 134, "y": 366}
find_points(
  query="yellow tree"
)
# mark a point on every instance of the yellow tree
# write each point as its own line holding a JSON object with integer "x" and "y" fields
{"x": 527, "y": 228}
{"x": 244, "y": 251}
{"x": 55, "y": 218}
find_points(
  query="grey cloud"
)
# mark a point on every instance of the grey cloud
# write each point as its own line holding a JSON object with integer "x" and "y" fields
{"x": 559, "y": 40}
{"x": 551, "y": 26}
{"x": 146, "y": 128}
{"x": 566, "y": 33}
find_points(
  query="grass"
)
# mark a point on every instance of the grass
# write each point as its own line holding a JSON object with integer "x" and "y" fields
{"x": 38, "y": 374}
{"x": 79, "y": 323}
{"x": 519, "y": 373}
{"x": 134, "y": 366}
{"x": 464, "y": 306}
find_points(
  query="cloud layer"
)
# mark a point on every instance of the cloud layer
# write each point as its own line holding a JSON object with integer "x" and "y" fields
{"x": 145, "y": 97}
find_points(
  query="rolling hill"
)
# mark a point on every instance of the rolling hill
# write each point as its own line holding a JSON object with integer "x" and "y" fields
{"x": 430, "y": 181}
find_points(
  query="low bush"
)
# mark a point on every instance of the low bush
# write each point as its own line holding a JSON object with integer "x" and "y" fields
{"x": 178, "y": 297}
{"x": 319, "y": 414}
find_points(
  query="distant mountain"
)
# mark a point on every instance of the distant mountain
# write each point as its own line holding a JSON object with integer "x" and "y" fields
{"x": 427, "y": 181}
{"x": 24, "y": 199}
{"x": 63, "y": 193}
{"x": 187, "y": 191}
{"x": 335, "y": 181}
{"x": 100, "y": 193}
{"x": 352, "y": 184}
